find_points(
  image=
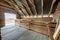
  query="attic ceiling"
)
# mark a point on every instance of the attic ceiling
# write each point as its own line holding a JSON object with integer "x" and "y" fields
{"x": 31, "y": 7}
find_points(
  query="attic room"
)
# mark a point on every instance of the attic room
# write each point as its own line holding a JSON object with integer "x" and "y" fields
{"x": 29, "y": 19}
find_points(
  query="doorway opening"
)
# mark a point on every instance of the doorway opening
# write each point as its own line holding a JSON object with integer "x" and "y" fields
{"x": 10, "y": 18}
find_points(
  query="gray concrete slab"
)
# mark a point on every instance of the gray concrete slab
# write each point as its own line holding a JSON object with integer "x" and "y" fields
{"x": 13, "y": 32}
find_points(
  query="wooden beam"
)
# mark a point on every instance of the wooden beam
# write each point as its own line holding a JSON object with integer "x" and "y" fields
{"x": 27, "y": 24}
{"x": 29, "y": 8}
{"x": 42, "y": 7}
{"x": 36, "y": 25}
{"x": 32, "y": 1}
{"x": 0, "y": 33}
{"x": 22, "y": 7}
{"x": 57, "y": 33}
{"x": 3, "y": 4}
{"x": 51, "y": 7}
{"x": 17, "y": 8}
{"x": 51, "y": 32}
{"x": 6, "y": 8}
{"x": 25, "y": 5}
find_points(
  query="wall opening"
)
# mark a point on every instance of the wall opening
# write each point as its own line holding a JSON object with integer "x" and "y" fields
{"x": 10, "y": 18}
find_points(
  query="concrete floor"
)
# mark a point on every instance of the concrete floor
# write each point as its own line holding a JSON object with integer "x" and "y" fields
{"x": 13, "y": 32}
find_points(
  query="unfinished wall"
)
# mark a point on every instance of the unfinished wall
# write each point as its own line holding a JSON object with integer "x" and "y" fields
{"x": 2, "y": 20}
{"x": 2, "y": 17}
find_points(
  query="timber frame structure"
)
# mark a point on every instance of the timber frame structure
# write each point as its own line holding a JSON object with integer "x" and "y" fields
{"x": 32, "y": 15}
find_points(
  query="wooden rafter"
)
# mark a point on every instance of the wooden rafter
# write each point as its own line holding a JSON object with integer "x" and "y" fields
{"x": 36, "y": 24}
{"x": 17, "y": 8}
{"x": 51, "y": 7}
{"x": 42, "y": 7}
{"x": 7, "y": 8}
{"x": 29, "y": 9}
{"x": 5, "y": 5}
{"x": 26, "y": 7}
{"x": 23, "y": 8}
{"x": 32, "y": 1}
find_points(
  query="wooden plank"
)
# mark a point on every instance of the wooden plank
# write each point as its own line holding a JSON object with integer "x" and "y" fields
{"x": 3, "y": 4}
{"x": 7, "y": 8}
{"x": 21, "y": 7}
{"x": 35, "y": 25}
{"x": 17, "y": 8}
{"x": 33, "y": 7}
{"x": 29, "y": 7}
{"x": 42, "y": 7}
{"x": 58, "y": 38}
{"x": 51, "y": 7}
{"x": 39, "y": 29}
{"x": 51, "y": 32}
{"x": 58, "y": 7}
{"x": 57, "y": 33}
{"x": 25, "y": 4}
{"x": 0, "y": 33}
{"x": 27, "y": 24}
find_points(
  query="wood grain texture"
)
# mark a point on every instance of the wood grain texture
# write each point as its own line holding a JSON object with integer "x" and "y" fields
{"x": 36, "y": 25}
